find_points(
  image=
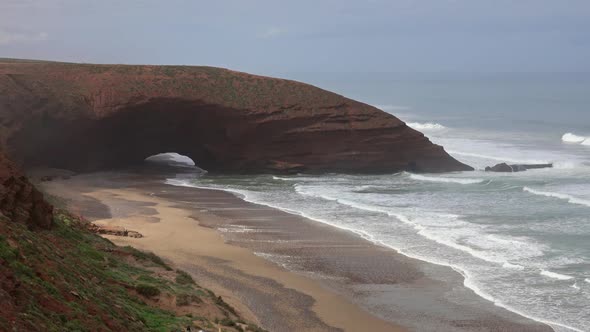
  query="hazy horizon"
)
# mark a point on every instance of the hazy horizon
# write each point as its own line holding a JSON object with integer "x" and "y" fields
{"x": 328, "y": 36}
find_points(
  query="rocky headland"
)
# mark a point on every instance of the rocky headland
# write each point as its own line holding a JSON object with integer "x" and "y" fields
{"x": 87, "y": 117}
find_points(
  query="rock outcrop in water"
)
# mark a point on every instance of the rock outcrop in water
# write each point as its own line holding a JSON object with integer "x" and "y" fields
{"x": 505, "y": 168}
{"x": 87, "y": 117}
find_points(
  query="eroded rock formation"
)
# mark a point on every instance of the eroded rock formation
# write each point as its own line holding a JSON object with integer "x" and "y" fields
{"x": 20, "y": 201}
{"x": 113, "y": 230}
{"x": 92, "y": 117}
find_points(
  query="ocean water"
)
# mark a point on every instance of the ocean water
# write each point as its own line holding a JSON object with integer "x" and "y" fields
{"x": 521, "y": 240}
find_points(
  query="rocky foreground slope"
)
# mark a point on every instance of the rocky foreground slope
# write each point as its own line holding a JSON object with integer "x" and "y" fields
{"x": 68, "y": 279}
{"x": 20, "y": 201}
{"x": 91, "y": 117}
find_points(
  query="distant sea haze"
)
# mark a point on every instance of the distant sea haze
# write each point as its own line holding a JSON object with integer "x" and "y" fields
{"x": 521, "y": 240}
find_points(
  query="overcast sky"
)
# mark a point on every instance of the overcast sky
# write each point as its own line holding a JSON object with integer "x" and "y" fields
{"x": 274, "y": 36}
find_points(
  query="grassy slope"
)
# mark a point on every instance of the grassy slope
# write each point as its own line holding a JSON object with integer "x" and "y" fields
{"x": 68, "y": 279}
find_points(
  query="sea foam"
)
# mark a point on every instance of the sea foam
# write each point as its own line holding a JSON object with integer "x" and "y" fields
{"x": 445, "y": 179}
{"x": 469, "y": 280}
{"x": 569, "y": 198}
{"x": 512, "y": 266}
{"x": 284, "y": 179}
{"x": 573, "y": 138}
{"x": 448, "y": 230}
{"x": 498, "y": 158}
{"x": 426, "y": 126}
{"x": 554, "y": 275}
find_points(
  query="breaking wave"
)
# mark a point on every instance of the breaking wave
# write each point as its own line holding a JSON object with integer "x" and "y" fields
{"x": 508, "y": 265}
{"x": 426, "y": 126}
{"x": 569, "y": 198}
{"x": 576, "y": 139}
{"x": 443, "y": 228}
{"x": 498, "y": 158}
{"x": 284, "y": 179}
{"x": 554, "y": 275}
{"x": 445, "y": 180}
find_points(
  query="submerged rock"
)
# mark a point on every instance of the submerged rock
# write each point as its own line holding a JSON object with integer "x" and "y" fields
{"x": 505, "y": 168}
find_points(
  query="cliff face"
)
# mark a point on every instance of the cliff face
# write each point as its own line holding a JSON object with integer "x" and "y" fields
{"x": 92, "y": 117}
{"x": 20, "y": 201}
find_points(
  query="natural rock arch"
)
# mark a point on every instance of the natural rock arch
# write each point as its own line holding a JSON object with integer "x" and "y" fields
{"x": 127, "y": 137}
{"x": 97, "y": 117}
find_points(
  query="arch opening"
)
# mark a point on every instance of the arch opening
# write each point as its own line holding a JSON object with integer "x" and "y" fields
{"x": 218, "y": 138}
{"x": 171, "y": 159}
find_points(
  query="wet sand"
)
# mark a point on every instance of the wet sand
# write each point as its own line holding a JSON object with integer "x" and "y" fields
{"x": 286, "y": 272}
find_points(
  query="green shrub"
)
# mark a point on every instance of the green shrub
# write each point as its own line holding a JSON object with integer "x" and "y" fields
{"x": 254, "y": 328}
{"x": 183, "y": 299}
{"x": 226, "y": 322}
{"x": 220, "y": 302}
{"x": 74, "y": 325}
{"x": 6, "y": 252}
{"x": 196, "y": 299}
{"x": 88, "y": 251}
{"x": 184, "y": 278}
{"x": 147, "y": 290}
{"x": 186, "y": 299}
{"x": 148, "y": 256}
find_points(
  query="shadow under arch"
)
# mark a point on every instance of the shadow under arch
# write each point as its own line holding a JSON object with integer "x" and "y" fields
{"x": 221, "y": 139}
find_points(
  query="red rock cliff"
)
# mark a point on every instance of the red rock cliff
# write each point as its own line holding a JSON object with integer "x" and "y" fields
{"x": 20, "y": 201}
{"x": 91, "y": 117}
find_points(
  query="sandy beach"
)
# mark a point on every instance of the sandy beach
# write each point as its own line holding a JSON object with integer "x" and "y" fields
{"x": 283, "y": 271}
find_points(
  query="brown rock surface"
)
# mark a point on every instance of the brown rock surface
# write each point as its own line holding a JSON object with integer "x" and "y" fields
{"x": 20, "y": 201}
{"x": 113, "y": 230}
{"x": 505, "y": 168}
{"x": 92, "y": 117}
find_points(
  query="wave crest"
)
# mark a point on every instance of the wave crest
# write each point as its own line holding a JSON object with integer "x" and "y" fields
{"x": 569, "y": 198}
{"x": 283, "y": 179}
{"x": 554, "y": 275}
{"x": 445, "y": 180}
{"x": 426, "y": 126}
{"x": 576, "y": 139}
{"x": 508, "y": 265}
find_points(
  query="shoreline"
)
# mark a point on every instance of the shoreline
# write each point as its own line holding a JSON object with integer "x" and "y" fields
{"x": 350, "y": 282}
{"x": 317, "y": 309}
{"x": 463, "y": 274}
